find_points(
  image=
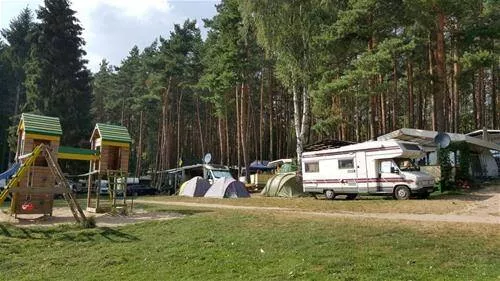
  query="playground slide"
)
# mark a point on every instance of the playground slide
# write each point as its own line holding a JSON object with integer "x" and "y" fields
{"x": 10, "y": 172}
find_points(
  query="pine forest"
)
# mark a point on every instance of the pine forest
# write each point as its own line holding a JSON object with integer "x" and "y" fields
{"x": 270, "y": 77}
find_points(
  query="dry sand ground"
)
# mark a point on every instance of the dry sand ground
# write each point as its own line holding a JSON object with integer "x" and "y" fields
{"x": 479, "y": 211}
{"x": 62, "y": 215}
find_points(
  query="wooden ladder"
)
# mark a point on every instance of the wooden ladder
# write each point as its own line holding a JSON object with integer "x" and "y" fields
{"x": 77, "y": 211}
{"x": 113, "y": 183}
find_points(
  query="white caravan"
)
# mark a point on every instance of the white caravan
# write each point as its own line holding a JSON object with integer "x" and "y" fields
{"x": 373, "y": 167}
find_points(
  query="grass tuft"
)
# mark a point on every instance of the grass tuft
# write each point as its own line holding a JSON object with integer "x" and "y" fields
{"x": 89, "y": 222}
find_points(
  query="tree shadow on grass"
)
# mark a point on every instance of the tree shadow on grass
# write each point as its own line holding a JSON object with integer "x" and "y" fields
{"x": 114, "y": 235}
{"x": 69, "y": 234}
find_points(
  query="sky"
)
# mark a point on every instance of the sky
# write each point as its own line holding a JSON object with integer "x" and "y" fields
{"x": 113, "y": 27}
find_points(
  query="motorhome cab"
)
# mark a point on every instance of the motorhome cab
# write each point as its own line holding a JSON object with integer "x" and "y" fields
{"x": 373, "y": 167}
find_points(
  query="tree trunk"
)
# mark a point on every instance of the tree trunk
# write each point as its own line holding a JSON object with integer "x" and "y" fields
{"x": 394, "y": 97}
{"x": 165, "y": 153}
{"x": 297, "y": 123}
{"x": 228, "y": 151}
{"x": 419, "y": 108}
{"x": 373, "y": 101}
{"x": 456, "y": 91}
{"x": 383, "y": 112}
{"x": 482, "y": 99}
{"x": 271, "y": 118}
{"x": 440, "y": 85}
{"x": 494, "y": 98}
{"x": 179, "y": 120}
{"x": 243, "y": 128}
{"x": 357, "y": 116}
{"x": 238, "y": 131}
{"x": 411, "y": 117}
{"x": 202, "y": 142}
{"x": 261, "y": 119}
{"x": 138, "y": 167}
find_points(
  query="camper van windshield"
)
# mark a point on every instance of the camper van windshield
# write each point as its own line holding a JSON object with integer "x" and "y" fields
{"x": 406, "y": 164}
{"x": 221, "y": 174}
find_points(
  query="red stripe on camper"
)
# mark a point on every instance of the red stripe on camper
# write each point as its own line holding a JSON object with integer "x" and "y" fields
{"x": 360, "y": 180}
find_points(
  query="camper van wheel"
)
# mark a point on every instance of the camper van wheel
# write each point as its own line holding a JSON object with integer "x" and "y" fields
{"x": 329, "y": 194}
{"x": 351, "y": 196}
{"x": 402, "y": 192}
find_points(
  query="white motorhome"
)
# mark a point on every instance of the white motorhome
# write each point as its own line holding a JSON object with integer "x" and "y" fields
{"x": 373, "y": 167}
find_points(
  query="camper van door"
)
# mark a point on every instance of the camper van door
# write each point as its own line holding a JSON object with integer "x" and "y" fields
{"x": 389, "y": 174}
{"x": 362, "y": 172}
{"x": 347, "y": 174}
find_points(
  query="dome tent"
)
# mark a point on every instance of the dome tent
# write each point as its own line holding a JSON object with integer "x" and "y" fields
{"x": 195, "y": 187}
{"x": 227, "y": 188}
{"x": 282, "y": 185}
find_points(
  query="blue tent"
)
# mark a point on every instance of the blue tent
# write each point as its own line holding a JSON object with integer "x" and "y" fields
{"x": 259, "y": 166}
{"x": 7, "y": 174}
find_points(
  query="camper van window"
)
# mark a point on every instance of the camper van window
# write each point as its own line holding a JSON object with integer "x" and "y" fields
{"x": 221, "y": 174}
{"x": 406, "y": 164}
{"x": 386, "y": 166}
{"x": 312, "y": 167}
{"x": 346, "y": 164}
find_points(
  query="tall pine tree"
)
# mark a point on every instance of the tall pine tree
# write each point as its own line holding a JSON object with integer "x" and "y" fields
{"x": 58, "y": 82}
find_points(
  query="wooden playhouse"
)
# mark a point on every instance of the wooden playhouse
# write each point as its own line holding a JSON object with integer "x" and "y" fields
{"x": 35, "y": 193}
{"x": 110, "y": 171}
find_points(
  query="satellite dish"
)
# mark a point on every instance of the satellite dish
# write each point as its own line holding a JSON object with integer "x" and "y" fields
{"x": 207, "y": 158}
{"x": 442, "y": 140}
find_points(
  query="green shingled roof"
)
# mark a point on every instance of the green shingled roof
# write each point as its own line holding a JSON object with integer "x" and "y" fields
{"x": 44, "y": 125}
{"x": 113, "y": 133}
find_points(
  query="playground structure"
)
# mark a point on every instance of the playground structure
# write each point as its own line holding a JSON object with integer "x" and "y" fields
{"x": 39, "y": 177}
{"x": 112, "y": 143}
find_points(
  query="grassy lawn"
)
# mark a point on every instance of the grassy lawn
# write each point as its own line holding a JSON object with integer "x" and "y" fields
{"x": 438, "y": 204}
{"x": 246, "y": 245}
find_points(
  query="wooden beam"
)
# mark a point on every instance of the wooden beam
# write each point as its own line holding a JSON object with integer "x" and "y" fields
{"x": 42, "y": 137}
{"x": 73, "y": 156}
{"x": 115, "y": 143}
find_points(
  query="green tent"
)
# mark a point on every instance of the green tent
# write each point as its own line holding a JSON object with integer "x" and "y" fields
{"x": 283, "y": 185}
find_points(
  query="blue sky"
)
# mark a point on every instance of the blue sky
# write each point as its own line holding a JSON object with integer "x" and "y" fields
{"x": 113, "y": 27}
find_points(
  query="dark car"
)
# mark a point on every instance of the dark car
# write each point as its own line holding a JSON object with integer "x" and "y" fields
{"x": 140, "y": 189}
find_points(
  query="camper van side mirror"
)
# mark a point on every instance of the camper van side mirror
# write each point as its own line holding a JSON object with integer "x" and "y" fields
{"x": 394, "y": 170}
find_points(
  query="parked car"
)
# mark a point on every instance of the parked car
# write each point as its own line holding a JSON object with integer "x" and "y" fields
{"x": 140, "y": 189}
{"x": 103, "y": 188}
{"x": 76, "y": 187}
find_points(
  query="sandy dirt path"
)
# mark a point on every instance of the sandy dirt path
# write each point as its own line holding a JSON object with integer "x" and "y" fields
{"x": 482, "y": 211}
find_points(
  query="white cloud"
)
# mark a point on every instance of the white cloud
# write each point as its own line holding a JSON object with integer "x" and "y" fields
{"x": 130, "y": 8}
{"x": 113, "y": 27}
